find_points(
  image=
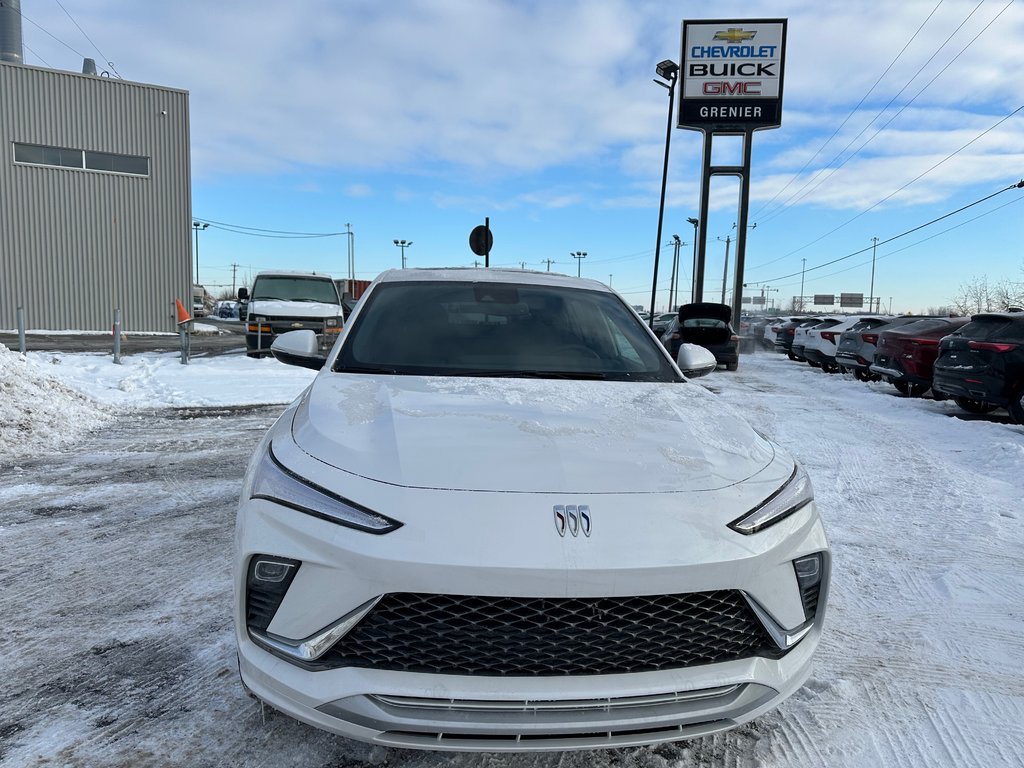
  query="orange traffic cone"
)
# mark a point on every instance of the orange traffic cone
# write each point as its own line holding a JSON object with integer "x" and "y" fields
{"x": 183, "y": 316}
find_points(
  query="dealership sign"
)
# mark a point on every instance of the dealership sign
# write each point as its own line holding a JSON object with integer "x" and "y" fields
{"x": 732, "y": 74}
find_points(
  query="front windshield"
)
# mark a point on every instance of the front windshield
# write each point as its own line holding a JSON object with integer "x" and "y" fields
{"x": 461, "y": 328}
{"x": 294, "y": 289}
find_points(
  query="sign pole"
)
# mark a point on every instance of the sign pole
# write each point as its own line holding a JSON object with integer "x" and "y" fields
{"x": 741, "y": 235}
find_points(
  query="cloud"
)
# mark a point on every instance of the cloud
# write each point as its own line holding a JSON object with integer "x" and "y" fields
{"x": 358, "y": 190}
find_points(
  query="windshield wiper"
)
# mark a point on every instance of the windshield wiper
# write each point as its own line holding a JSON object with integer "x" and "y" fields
{"x": 365, "y": 369}
{"x": 530, "y": 374}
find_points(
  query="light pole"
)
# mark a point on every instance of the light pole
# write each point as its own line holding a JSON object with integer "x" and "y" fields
{"x": 579, "y": 256}
{"x": 351, "y": 252}
{"x": 609, "y": 281}
{"x": 198, "y": 225}
{"x": 667, "y": 70}
{"x": 403, "y": 244}
{"x": 693, "y": 284}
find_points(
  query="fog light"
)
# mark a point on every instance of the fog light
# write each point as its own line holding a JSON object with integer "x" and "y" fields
{"x": 808, "y": 576}
{"x": 266, "y": 584}
{"x": 271, "y": 570}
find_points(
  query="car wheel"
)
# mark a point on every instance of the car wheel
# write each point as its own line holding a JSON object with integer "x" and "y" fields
{"x": 791, "y": 356}
{"x": 863, "y": 375}
{"x": 910, "y": 390}
{"x": 814, "y": 365}
{"x": 1016, "y": 406}
{"x": 974, "y": 406}
{"x": 731, "y": 366}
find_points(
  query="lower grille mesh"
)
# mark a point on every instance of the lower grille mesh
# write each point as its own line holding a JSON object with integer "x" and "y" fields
{"x": 524, "y": 637}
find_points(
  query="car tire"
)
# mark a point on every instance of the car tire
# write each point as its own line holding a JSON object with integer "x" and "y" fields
{"x": 1016, "y": 406}
{"x": 910, "y": 390}
{"x": 731, "y": 366}
{"x": 864, "y": 375}
{"x": 791, "y": 356}
{"x": 974, "y": 406}
{"x": 814, "y": 365}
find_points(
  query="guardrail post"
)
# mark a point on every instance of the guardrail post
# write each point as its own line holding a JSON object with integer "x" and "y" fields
{"x": 21, "y": 330}
{"x": 117, "y": 336}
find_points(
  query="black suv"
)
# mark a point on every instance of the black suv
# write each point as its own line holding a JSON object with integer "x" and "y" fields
{"x": 982, "y": 365}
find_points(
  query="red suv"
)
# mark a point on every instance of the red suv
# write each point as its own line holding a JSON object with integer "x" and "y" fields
{"x": 905, "y": 355}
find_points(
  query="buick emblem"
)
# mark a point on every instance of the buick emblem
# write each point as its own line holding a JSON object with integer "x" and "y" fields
{"x": 572, "y": 518}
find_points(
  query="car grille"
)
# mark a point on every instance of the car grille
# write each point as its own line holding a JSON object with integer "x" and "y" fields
{"x": 524, "y": 637}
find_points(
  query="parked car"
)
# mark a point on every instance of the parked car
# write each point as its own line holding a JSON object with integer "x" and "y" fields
{"x": 808, "y": 335}
{"x": 771, "y": 330}
{"x": 981, "y": 365}
{"x": 707, "y": 325}
{"x": 599, "y": 553}
{"x": 823, "y": 348}
{"x": 662, "y": 322}
{"x": 856, "y": 349}
{"x": 784, "y": 338}
{"x": 905, "y": 356}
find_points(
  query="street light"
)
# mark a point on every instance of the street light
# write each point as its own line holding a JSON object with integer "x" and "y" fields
{"x": 579, "y": 256}
{"x": 693, "y": 284}
{"x": 667, "y": 70}
{"x": 403, "y": 244}
{"x": 197, "y": 225}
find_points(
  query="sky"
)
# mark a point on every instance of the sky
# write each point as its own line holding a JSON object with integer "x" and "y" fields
{"x": 416, "y": 119}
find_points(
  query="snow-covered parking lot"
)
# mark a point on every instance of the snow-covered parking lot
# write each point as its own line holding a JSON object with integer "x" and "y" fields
{"x": 116, "y": 520}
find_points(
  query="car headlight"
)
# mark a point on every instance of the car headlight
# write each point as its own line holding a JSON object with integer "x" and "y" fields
{"x": 794, "y": 495}
{"x": 274, "y": 482}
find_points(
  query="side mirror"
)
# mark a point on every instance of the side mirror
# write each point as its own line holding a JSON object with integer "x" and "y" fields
{"x": 243, "y": 294}
{"x": 298, "y": 348}
{"x": 693, "y": 360}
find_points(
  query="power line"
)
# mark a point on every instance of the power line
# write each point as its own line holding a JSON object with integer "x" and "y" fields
{"x": 256, "y": 231}
{"x": 895, "y": 192}
{"x": 851, "y": 114}
{"x": 41, "y": 29}
{"x": 797, "y": 196}
{"x": 1019, "y": 185}
{"x": 27, "y": 48}
{"x": 109, "y": 63}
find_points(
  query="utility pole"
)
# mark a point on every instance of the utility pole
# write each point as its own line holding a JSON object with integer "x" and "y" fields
{"x": 725, "y": 271}
{"x": 671, "y": 284}
{"x": 476, "y": 263}
{"x": 549, "y": 262}
{"x": 803, "y": 269}
{"x": 674, "y": 300}
{"x": 234, "y": 269}
{"x": 609, "y": 281}
{"x": 522, "y": 265}
{"x": 874, "y": 247}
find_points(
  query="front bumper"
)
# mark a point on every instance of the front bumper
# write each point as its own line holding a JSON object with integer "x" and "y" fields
{"x": 459, "y": 548}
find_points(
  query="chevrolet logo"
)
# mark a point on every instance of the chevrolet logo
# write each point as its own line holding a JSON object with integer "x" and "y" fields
{"x": 734, "y": 35}
{"x": 298, "y": 325}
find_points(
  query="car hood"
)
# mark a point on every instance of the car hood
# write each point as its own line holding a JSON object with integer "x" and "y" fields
{"x": 275, "y": 308}
{"x": 527, "y": 435}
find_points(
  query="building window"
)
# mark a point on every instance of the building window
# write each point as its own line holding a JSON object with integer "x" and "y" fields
{"x": 59, "y": 157}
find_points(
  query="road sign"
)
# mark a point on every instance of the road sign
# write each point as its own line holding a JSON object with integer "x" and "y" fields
{"x": 851, "y": 300}
{"x": 481, "y": 240}
{"x": 824, "y": 299}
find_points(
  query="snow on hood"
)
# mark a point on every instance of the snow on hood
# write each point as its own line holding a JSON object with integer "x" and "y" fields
{"x": 528, "y": 435}
{"x": 293, "y": 308}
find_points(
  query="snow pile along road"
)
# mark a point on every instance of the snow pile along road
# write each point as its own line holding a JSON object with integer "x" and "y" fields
{"x": 37, "y": 412}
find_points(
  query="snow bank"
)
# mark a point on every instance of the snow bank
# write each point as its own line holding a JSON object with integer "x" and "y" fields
{"x": 37, "y": 412}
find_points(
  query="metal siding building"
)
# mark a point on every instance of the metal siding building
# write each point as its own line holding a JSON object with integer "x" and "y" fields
{"x": 75, "y": 243}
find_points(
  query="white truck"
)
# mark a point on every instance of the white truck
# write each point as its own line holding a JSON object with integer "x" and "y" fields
{"x": 289, "y": 301}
